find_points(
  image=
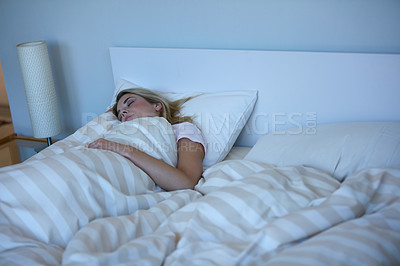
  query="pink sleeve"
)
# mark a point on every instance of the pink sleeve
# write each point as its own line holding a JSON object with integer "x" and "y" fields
{"x": 190, "y": 131}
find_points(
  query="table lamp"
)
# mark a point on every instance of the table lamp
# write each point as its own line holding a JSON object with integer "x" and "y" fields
{"x": 39, "y": 89}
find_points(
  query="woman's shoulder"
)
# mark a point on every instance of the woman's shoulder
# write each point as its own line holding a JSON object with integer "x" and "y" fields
{"x": 190, "y": 131}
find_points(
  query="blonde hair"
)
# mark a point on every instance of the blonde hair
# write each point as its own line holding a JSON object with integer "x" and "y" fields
{"x": 171, "y": 110}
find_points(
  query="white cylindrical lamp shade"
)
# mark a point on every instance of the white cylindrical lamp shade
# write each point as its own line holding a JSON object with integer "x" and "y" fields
{"x": 39, "y": 87}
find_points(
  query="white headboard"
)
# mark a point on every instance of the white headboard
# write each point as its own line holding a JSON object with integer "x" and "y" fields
{"x": 294, "y": 88}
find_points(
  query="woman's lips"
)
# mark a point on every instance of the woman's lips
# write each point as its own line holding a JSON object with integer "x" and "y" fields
{"x": 128, "y": 117}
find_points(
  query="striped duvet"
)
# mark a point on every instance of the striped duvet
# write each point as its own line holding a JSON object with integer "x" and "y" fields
{"x": 75, "y": 206}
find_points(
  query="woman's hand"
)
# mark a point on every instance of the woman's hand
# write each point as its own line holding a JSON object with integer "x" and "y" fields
{"x": 103, "y": 144}
{"x": 185, "y": 175}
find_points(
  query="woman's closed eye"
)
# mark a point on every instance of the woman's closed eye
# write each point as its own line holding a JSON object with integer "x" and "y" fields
{"x": 128, "y": 102}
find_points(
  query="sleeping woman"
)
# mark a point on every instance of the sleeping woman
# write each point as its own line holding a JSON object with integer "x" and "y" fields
{"x": 139, "y": 103}
{"x": 49, "y": 198}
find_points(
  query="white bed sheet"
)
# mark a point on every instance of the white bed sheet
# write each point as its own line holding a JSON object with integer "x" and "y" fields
{"x": 237, "y": 153}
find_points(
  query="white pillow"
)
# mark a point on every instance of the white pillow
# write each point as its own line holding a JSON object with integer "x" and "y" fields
{"x": 339, "y": 149}
{"x": 221, "y": 116}
{"x": 121, "y": 85}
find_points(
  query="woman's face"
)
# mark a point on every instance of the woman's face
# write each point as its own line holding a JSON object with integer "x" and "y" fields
{"x": 132, "y": 106}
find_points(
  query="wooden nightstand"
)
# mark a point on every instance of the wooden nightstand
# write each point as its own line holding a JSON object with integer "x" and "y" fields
{"x": 15, "y": 149}
{"x": 8, "y": 145}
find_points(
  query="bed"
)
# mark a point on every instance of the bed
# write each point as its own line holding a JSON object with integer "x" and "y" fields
{"x": 299, "y": 168}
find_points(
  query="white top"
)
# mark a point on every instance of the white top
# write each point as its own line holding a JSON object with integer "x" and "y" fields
{"x": 190, "y": 131}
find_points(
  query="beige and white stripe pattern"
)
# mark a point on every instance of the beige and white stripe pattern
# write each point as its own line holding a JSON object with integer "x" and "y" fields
{"x": 47, "y": 199}
{"x": 255, "y": 214}
{"x": 73, "y": 206}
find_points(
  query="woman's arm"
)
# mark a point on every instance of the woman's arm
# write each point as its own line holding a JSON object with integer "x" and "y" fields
{"x": 184, "y": 176}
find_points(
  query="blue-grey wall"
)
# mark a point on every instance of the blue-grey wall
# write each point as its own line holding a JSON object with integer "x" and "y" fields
{"x": 79, "y": 33}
